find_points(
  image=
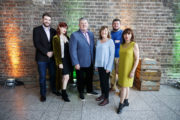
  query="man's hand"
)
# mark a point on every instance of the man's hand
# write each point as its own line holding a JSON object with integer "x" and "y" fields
{"x": 50, "y": 54}
{"x": 77, "y": 67}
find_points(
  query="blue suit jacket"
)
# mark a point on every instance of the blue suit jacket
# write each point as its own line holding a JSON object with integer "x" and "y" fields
{"x": 80, "y": 51}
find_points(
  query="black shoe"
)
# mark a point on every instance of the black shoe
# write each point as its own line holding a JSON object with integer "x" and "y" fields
{"x": 65, "y": 96}
{"x": 126, "y": 103}
{"x": 66, "y": 99}
{"x": 57, "y": 93}
{"x": 81, "y": 96}
{"x": 92, "y": 93}
{"x": 119, "y": 110}
{"x": 42, "y": 98}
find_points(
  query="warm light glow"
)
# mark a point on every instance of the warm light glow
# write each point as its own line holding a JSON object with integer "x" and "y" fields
{"x": 127, "y": 19}
{"x": 13, "y": 49}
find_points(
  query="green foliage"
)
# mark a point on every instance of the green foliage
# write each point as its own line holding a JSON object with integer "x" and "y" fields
{"x": 72, "y": 15}
{"x": 176, "y": 45}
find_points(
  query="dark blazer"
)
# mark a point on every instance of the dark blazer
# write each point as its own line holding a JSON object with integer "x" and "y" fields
{"x": 80, "y": 51}
{"x": 42, "y": 44}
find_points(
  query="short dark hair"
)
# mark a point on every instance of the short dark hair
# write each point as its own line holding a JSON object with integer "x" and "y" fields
{"x": 128, "y": 31}
{"x": 116, "y": 19}
{"x": 103, "y": 28}
{"x": 82, "y": 18}
{"x": 46, "y": 14}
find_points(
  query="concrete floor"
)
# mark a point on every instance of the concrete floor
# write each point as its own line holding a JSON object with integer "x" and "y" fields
{"x": 23, "y": 104}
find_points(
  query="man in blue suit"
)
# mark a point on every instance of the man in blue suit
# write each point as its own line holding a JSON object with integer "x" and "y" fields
{"x": 81, "y": 47}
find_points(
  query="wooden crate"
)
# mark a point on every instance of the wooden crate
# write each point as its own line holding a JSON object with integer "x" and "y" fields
{"x": 148, "y": 75}
{"x": 151, "y": 67}
{"x": 148, "y": 65}
{"x": 96, "y": 81}
{"x": 147, "y": 85}
{"x": 148, "y": 61}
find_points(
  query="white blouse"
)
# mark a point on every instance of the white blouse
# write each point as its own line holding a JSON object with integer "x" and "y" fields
{"x": 63, "y": 40}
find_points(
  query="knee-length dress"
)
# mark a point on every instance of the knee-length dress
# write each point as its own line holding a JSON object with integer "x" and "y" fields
{"x": 126, "y": 61}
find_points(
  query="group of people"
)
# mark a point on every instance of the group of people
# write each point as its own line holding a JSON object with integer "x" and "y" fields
{"x": 115, "y": 52}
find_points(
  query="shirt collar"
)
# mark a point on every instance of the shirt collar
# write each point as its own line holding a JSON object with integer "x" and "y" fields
{"x": 46, "y": 27}
{"x": 84, "y": 32}
{"x": 116, "y": 31}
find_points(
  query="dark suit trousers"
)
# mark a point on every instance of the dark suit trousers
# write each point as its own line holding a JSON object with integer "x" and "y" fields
{"x": 104, "y": 81}
{"x": 84, "y": 79}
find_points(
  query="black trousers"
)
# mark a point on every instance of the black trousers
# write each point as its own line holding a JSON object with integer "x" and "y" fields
{"x": 104, "y": 81}
{"x": 84, "y": 79}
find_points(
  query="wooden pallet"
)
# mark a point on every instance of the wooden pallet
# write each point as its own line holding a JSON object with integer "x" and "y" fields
{"x": 148, "y": 75}
{"x": 147, "y": 85}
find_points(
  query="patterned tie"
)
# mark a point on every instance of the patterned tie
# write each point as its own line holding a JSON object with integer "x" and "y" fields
{"x": 87, "y": 38}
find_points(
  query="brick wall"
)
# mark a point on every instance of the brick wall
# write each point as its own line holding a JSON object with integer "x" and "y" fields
{"x": 154, "y": 23}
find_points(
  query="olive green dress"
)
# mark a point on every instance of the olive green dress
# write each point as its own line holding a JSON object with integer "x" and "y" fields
{"x": 126, "y": 61}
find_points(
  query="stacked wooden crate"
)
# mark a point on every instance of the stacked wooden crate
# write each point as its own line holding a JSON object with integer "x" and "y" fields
{"x": 96, "y": 81}
{"x": 148, "y": 75}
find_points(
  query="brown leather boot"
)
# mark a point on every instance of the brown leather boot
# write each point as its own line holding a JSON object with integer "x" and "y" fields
{"x": 100, "y": 98}
{"x": 104, "y": 102}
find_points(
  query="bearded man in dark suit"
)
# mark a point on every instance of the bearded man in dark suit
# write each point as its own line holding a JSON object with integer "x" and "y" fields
{"x": 42, "y": 38}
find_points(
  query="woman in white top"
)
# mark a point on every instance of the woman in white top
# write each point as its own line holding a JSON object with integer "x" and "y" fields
{"x": 62, "y": 58}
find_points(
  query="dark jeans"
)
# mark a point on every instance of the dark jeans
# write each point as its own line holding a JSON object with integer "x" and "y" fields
{"x": 104, "y": 81}
{"x": 42, "y": 67}
{"x": 84, "y": 78}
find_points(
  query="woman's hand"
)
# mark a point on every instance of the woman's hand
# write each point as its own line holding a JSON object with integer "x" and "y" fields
{"x": 131, "y": 75}
{"x": 61, "y": 66}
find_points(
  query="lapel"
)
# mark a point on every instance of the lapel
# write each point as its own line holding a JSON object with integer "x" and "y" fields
{"x": 44, "y": 34}
{"x": 58, "y": 43}
{"x": 83, "y": 37}
{"x": 90, "y": 38}
{"x": 51, "y": 34}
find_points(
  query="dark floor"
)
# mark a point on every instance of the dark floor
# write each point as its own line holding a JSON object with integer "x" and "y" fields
{"x": 21, "y": 103}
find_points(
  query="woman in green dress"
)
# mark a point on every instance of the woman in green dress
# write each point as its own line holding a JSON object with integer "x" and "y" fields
{"x": 62, "y": 58}
{"x": 128, "y": 61}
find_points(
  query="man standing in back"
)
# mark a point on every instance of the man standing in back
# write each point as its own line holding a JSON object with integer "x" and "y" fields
{"x": 116, "y": 36}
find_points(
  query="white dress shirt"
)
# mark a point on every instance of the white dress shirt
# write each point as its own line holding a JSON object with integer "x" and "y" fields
{"x": 47, "y": 31}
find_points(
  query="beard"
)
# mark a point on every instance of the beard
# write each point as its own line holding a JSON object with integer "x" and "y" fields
{"x": 46, "y": 24}
{"x": 115, "y": 30}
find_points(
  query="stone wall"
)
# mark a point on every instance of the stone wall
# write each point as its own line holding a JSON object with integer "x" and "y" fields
{"x": 155, "y": 24}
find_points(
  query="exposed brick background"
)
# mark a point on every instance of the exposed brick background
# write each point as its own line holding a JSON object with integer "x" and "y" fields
{"x": 153, "y": 22}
